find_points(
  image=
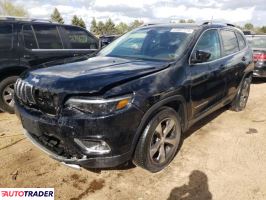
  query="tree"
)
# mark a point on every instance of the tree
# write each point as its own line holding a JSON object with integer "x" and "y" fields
{"x": 249, "y": 26}
{"x": 190, "y": 21}
{"x": 9, "y": 9}
{"x": 101, "y": 28}
{"x": 56, "y": 17}
{"x": 182, "y": 21}
{"x": 121, "y": 28}
{"x": 135, "y": 24}
{"x": 78, "y": 22}
{"x": 109, "y": 27}
{"x": 82, "y": 23}
{"x": 263, "y": 29}
{"x": 94, "y": 27}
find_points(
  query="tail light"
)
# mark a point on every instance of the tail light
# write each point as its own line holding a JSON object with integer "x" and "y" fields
{"x": 259, "y": 56}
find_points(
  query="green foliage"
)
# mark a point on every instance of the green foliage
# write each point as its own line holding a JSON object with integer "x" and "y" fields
{"x": 135, "y": 24}
{"x": 78, "y": 22}
{"x": 56, "y": 17}
{"x": 93, "y": 28}
{"x": 109, "y": 28}
{"x": 190, "y": 21}
{"x": 121, "y": 28}
{"x": 9, "y": 9}
{"x": 249, "y": 26}
{"x": 182, "y": 21}
{"x": 263, "y": 29}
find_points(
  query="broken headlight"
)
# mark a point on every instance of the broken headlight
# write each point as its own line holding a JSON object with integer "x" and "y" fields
{"x": 99, "y": 106}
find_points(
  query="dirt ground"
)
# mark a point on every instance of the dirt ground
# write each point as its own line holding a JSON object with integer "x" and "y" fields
{"x": 222, "y": 157}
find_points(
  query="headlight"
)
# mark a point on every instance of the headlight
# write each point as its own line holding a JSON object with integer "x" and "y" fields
{"x": 99, "y": 106}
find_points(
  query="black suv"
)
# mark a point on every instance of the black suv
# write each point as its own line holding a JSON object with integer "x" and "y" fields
{"x": 25, "y": 43}
{"x": 137, "y": 96}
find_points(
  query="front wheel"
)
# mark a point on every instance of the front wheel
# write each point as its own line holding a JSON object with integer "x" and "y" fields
{"x": 159, "y": 141}
{"x": 240, "y": 101}
{"x": 7, "y": 94}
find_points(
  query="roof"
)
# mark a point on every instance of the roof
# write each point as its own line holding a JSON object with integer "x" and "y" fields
{"x": 23, "y": 19}
{"x": 190, "y": 25}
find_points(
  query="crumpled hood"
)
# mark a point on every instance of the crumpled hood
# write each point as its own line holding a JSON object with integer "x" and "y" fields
{"x": 91, "y": 75}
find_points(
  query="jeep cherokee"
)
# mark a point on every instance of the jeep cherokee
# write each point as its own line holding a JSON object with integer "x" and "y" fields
{"x": 137, "y": 96}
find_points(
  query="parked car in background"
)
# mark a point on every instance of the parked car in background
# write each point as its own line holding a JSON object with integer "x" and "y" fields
{"x": 258, "y": 44}
{"x": 107, "y": 39}
{"x": 137, "y": 96}
{"x": 26, "y": 43}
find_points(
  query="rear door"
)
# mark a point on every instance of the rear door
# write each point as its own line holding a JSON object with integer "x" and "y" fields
{"x": 235, "y": 59}
{"x": 8, "y": 43}
{"x": 42, "y": 43}
{"x": 78, "y": 40}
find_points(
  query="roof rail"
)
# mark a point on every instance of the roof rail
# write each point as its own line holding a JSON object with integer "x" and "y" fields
{"x": 227, "y": 24}
{"x": 14, "y": 18}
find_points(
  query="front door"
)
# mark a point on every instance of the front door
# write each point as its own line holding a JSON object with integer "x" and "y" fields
{"x": 207, "y": 81}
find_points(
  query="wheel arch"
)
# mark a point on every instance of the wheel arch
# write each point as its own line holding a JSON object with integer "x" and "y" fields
{"x": 11, "y": 71}
{"x": 176, "y": 102}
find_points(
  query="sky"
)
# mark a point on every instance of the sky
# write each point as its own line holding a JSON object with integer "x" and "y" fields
{"x": 151, "y": 11}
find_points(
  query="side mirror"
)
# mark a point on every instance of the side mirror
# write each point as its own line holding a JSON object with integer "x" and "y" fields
{"x": 200, "y": 57}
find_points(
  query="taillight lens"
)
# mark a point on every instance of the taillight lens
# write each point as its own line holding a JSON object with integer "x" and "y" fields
{"x": 259, "y": 57}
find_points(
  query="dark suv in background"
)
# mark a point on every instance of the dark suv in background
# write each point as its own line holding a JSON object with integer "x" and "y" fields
{"x": 25, "y": 43}
{"x": 137, "y": 96}
{"x": 258, "y": 44}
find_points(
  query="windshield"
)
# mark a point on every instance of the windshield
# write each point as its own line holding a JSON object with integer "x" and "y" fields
{"x": 155, "y": 43}
{"x": 257, "y": 42}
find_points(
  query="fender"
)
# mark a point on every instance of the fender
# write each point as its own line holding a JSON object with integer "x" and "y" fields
{"x": 15, "y": 70}
{"x": 154, "y": 109}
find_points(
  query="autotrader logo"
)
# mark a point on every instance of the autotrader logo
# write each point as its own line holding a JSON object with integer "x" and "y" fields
{"x": 27, "y": 193}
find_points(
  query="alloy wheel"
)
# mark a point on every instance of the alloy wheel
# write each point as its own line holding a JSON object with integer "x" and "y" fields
{"x": 8, "y": 95}
{"x": 164, "y": 140}
{"x": 244, "y": 94}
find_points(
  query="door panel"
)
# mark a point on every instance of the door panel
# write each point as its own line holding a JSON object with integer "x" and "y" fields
{"x": 207, "y": 80}
{"x": 43, "y": 43}
{"x": 235, "y": 62}
{"x": 8, "y": 42}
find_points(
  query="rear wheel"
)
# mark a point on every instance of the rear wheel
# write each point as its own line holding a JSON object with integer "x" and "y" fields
{"x": 159, "y": 141}
{"x": 240, "y": 102}
{"x": 7, "y": 86}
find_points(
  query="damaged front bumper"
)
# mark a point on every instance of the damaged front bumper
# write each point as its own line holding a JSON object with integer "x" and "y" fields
{"x": 56, "y": 136}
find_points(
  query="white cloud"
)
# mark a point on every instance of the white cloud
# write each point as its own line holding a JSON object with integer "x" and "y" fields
{"x": 237, "y": 11}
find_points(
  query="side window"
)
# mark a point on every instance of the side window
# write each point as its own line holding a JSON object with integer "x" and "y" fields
{"x": 80, "y": 39}
{"x": 47, "y": 36}
{"x": 210, "y": 43}
{"x": 6, "y": 31}
{"x": 241, "y": 41}
{"x": 29, "y": 39}
{"x": 230, "y": 42}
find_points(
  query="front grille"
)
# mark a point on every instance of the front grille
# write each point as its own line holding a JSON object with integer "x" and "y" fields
{"x": 25, "y": 92}
{"x": 33, "y": 97}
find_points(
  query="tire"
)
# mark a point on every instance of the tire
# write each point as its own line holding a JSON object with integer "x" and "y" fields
{"x": 241, "y": 99}
{"x": 156, "y": 149}
{"x": 7, "y": 93}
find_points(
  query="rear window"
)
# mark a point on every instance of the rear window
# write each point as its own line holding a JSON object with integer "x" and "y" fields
{"x": 241, "y": 41}
{"x": 47, "y": 37}
{"x": 29, "y": 39}
{"x": 80, "y": 39}
{"x": 257, "y": 41}
{"x": 230, "y": 43}
{"x": 5, "y": 36}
